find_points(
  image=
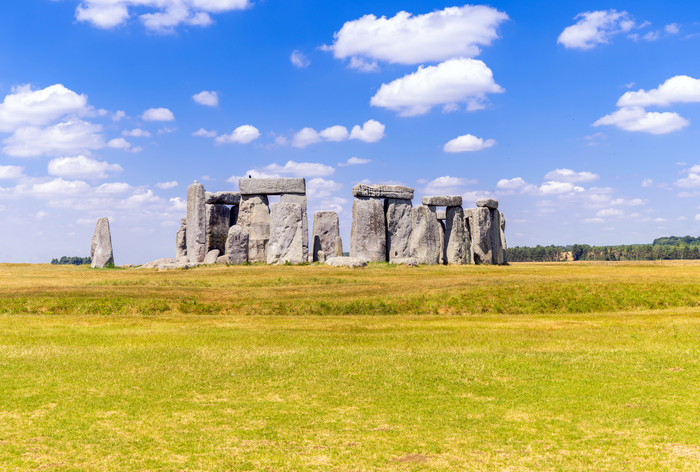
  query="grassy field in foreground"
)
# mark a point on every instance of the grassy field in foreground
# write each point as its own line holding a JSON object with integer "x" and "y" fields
{"x": 528, "y": 367}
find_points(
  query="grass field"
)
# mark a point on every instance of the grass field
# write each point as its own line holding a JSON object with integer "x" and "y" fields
{"x": 528, "y": 367}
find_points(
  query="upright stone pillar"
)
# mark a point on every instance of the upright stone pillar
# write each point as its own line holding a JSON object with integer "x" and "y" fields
{"x": 325, "y": 232}
{"x": 398, "y": 228}
{"x": 426, "y": 242}
{"x": 300, "y": 199}
{"x": 480, "y": 225}
{"x": 286, "y": 244}
{"x": 504, "y": 246}
{"x": 254, "y": 215}
{"x": 237, "y": 245}
{"x": 101, "y": 252}
{"x": 456, "y": 251}
{"x": 180, "y": 240}
{"x": 196, "y": 223}
{"x": 368, "y": 232}
{"x": 218, "y": 221}
{"x": 496, "y": 242}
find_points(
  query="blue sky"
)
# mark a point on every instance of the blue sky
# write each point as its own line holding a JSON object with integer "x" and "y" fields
{"x": 581, "y": 118}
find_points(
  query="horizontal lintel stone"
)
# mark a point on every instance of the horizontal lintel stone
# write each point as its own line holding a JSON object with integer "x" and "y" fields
{"x": 443, "y": 201}
{"x": 487, "y": 203}
{"x": 272, "y": 186}
{"x": 222, "y": 198}
{"x": 383, "y": 191}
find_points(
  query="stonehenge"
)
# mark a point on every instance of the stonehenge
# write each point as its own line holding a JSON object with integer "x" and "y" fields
{"x": 325, "y": 236}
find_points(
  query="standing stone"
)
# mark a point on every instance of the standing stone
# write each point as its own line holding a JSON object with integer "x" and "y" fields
{"x": 237, "y": 245}
{"x": 368, "y": 232}
{"x": 441, "y": 241}
{"x": 180, "y": 239}
{"x": 211, "y": 257}
{"x": 286, "y": 236}
{"x": 480, "y": 225}
{"x": 218, "y": 222}
{"x": 254, "y": 215}
{"x": 398, "y": 228}
{"x": 325, "y": 232}
{"x": 321, "y": 256}
{"x": 300, "y": 199}
{"x": 196, "y": 236}
{"x": 101, "y": 248}
{"x": 456, "y": 251}
{"x": 426, "y": 245}
{"x": 496, "y": 246}
{"x": 504, "y": 246}
{"x": 338, "y": 247}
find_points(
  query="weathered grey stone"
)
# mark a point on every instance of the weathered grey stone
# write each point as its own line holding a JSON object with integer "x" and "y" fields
{"x": 443, "y": 256}
{"x": 218, "y": 221}
{"x": 272, "y": 186}
{"x": 345, "y": 261}
{"x": 320, "y": 256}
{"x": 480, "y": 227}
{"x": 495, "y": 236}
{"x": 504, "y": 246}
{"x": 441, "y": 214}
{"x": 254, "y": 215}
{"x": 487, "y": 203}
{"x": 368, "y": 231}
{"x": 443, "y": 200}
{"x": 286, "y": 243}
{"x": 325, "y": 232}
{"x": 211, "y": 256}
{"x": 426, "y": 245}
{"x": 338, "y": 247}
{"x": 456, "y": 250}
{"x": 398, "y": 228}
{"x": 101, "y": 248}
{"x": 407, "y": 261}
{"x": 383, "y": 191}
{"x": 222, "y": 198}
{"x": 180, "y": 239}
{"x": 223, "y": 259}
{"x": 301, "y": 201}
{"x": 237, "y": 245}
{"x": 159, "y": 262}
{"x": 196, "y": 236}
{"x": 179, "y": 265}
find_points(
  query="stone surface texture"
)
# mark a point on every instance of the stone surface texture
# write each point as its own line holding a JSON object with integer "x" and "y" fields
{"x": 504, "y": 246}
{"x": 480, "y": 226}
{"x": 398, "y": 228}
{"x": 426, "y": 245}
{"x": 286, "y": 243}
{"x": 222, "y": 198}
{"x": 368, "y": 231}
{"x": 497, "y": 254}
{"x": 272, "y": 186}
{"x": 101, "y": 248}
{"x": 196, "y": 236}
{"x": 237, "y": 245}
{"x": 338, "y": 247}
{"x": 456, "y": 249}
{"x": 218, "y": 221}
{"x": 320, "y": 257}
{"x": 301, "y": 201}
{"x": 487, "y": 203}
{"x": 254, "y": 215}
{"x": 326, "y": 230}
{"x": 345, "y": 261}
{"x": 407, "y": 261}
{"x": 181, "y": 240}
{"x": 383, "y": 191}
{"x": 211, "y": 257}
{"x": 442, "y": 200}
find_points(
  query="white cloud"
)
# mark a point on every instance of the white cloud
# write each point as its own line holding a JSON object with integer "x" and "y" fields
{"x": 27, "y": 107}
{"x": 672, "y": 28}
{"x": 164, "y": 15}
{"x": 113, "y": 188}
{"x": 11, "y": 172}
{"x": 299, "y": 60}
{"x": 677, "y": 89}
{"x": 119, "y": 143}
{"x": 204, "y": 133}
{"x": 118, "y": 115}
{"x": 178, "y": 204}
{"x": 647, "y": 182}
{"x": 594, "y": 220}
{"x": 299, "y": 169}
{"x": 552, "y": 187}
{"x": 446, "y": 185}
{"x": 167, "y": 185}
{"x": 363, "y": 65}
{"x": 637, "y": 119}
{"x": 81, "y": 167}
{"x": 594, "y": 28}
{"x": 166, "y": 130}
{"x": 693, "y": 179}
{"x": 454, "y": 81}
{"x": 609, "y": 212}
{"x": 370, "y": 132}
{"x": 408, "y": 39}
{"x": 209, "y": 99}
{"x": 511, "y": 184}
{"x": 140, "y": 199}
{"x": 57, "y": 187}
{"x": 305, "y": 137}
{"x": 136, "y": 133}
{"x": 62, "y": 138}
{"x": 321, "y": 188}
{"x": 244, "y": 134}
{"x": 468, "y": 142}
{"x": 158, "y": 114}
{"x": 568, "y": 175}
{"x": 335, "y": 133}
{"x": 353, "y": 161}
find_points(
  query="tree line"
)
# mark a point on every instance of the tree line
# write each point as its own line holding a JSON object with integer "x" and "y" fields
{"x": 71, "y": 260}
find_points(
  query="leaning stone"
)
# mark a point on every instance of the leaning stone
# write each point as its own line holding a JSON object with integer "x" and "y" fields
{"x": 383, "y": 191}
{"x": 407, "y": 261}
{"x": 325, "y": 232}
{"x": 211, "y": 257}
{"x": 320, "y": 256}
{"x": 272, "y": 186}
{"x": 480, "y": 226}
{"x": 442, "y": 200}
{"x": 286, "y": 243}
{"x": 101, "y": 248}
{"x": 345, "y": 261}
{"x": 180, "y": 239}
{"x": 368, "y": 232}
{"x": 488, "y": 203}
{"x": 223, "y": 259}
{"x": 496, "y": 245}
{"x": 218, "y": 220}
{"x": 254, "y": 215}
{"x": 301, "y": 201}
{"x": 426, "y": 245}
{"x": 222, "y": 198}
{"x": 196, "y": 236}
{"x": 338, "y": 247}
{"x": 456, "y": 251}
{"x": 398, "y": 227}
{"x": 237, "y": 245}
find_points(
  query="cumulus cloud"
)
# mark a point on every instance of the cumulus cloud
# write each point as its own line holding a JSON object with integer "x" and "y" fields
{"x": 57, "y": 188}
{"x": 692, "y": 180}
{"x": 370, "y": 132}
{"x": 363, "y": 65}
{"x": 136, "y": 133}
{"x": 511, "y": 184}
{"x": 204, "y": 133}
{"x": 552, "y": 187}
{"x": 594, "y": 28}
{"x": 244, "y": 134}
{"x": 453, "y": 81}
{"x": 413, "y": 39}
{"x": 163, "y": 15}
{"x": 637, "y": 119}
{"x": 113, "y": 188}
{"x": 167, "y": 185}
{"x": 26, "y": 107}
{"x": 299, "y": 60}
{"x": 321, "y": 188}
{"x": 119, "y": 143}
{"x": 62, "y": 138}
{"x": 299, "y": 169}
{"x": 305, "y": 137}
{"x": 468, "y": 143}
{"x": 11, "y": 172}
{"x": 609, "y": 212}
{"x": 334, "y": 133}
{"x": 353, "y": 161}
{"x": 158, "y": 114}
{"x": 209, "y": 99}
{"x": 568, "y": 175}
{"x": 81, "y": 167}
{"x": 677, "y": 89}
{"x": 446, "y": 185}
{"x": 672, "y": 28}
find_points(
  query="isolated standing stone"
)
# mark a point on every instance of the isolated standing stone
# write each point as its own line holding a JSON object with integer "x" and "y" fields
{"x": 480, "y": 225}
{"x": 300, "y": 199}
{"x": 180, "y": 239}
{"x": 211, "y": 257}
{"x": 338, "y": 247}
{"x": 426, "y": 245}
{"x": 398, "y": 228}
{"x": 286, "y": 243}
{"x": 368, "y": 232}
{"x": 101, "y": 248}
{"x": 218, "y": 221}
{"x": 196, "y": 223}
{"x": 504, "y": 246}
{"x": 237, "y": 245}
{"x": 254, "y": 215}
{"x": 456, "y": 251}
{"x": 325, "y": 232}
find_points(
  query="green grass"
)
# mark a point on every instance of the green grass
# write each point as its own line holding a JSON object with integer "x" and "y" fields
{"x": 529, "y": 367}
